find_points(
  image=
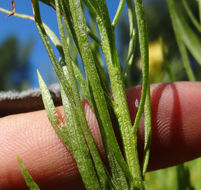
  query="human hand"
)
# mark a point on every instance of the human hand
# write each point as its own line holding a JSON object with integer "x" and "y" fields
{"x": 176, "y": 132}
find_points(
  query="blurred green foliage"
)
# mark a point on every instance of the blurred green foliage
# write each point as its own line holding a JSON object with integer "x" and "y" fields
{"x": 176, "y": 177}
{"x": 14, "y": 64}
{"x": 159, "y": 27}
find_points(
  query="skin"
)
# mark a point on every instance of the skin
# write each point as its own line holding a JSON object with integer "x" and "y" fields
{"x": 176, "y": 131}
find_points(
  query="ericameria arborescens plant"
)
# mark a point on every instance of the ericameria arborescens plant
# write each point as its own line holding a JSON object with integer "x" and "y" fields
{"x": 79, "y": 35}
{"x": 92, "y": 37}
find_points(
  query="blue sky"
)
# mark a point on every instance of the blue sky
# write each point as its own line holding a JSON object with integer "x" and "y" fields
{"x": 26, "y": 30}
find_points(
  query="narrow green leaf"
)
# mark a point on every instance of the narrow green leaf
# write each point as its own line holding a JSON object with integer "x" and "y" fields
{"x": 143, "y": 40}
{"x": 132, "y": 41}
{"x": 147, "y": 125}
{"x": 79, "y": 148}
{"x": 166, "y": 64}
{"x": 68, "y": 22}
{"x": 67, "y": 131}
{"x": 91, "y": 6}
{"x": 84, "y": 89}
{"x": 188, "y": 36}
{"x": 57, "y": 67}
{"x": 118, "y": 13}
{"x": 46, "y": 42}
{"x": 48, "y": 103}
{"x": 100, "y": 169}
{"x": 51, "y": 111}
{"x": 53, "y": 38}
{"x": 98, "y": 60}
{"x": 191, "y": 16}
{"x": 49, "y": 2}
{"x": 101, "y": 172}
{"x": 178, "y": 26}
{"x": 84, "y": 162}
{"x": 102, "y": 74}
{"x": 199, "y": 7}
{"x": 98, "y": 163}
{"x": 94, "y": 37}
{"x": 120, "y": 175}
{"x": 27, "y": 177}
{"x": 93, "y": 28}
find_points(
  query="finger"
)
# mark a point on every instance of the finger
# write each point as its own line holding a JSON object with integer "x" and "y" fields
{"x": 175, "y": 138}
{"x": 176, "y": 122}
{"x": 32, "y": 138}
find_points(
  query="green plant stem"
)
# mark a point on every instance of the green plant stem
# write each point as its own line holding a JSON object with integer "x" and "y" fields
{"x": 17, "y": 14}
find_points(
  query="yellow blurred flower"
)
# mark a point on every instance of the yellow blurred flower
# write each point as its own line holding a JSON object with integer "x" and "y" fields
{"x": 155, "y": 56}
{"x": 155, "y": 61}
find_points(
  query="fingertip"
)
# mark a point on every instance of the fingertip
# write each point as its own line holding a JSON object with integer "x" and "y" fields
{"x": 31, "y": 137}
{"x": 176, "y": 122}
